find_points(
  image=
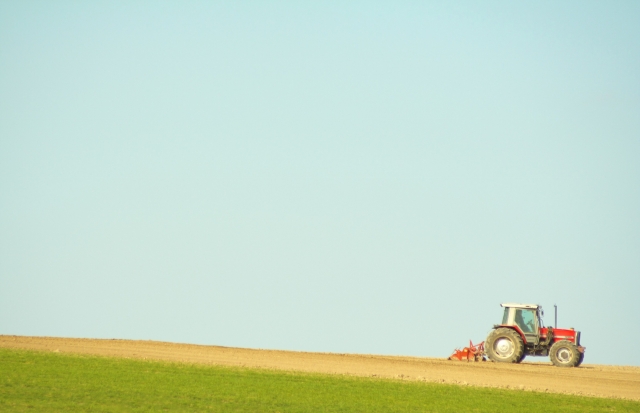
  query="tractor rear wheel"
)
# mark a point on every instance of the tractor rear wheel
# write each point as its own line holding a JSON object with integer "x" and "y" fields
{"x": 564, "y": 354}
{"x": 580, "y": 359}
{"x": 505, "y": 345}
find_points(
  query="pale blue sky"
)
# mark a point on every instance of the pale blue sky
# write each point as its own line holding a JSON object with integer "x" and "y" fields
{"x": 370, "y": 177}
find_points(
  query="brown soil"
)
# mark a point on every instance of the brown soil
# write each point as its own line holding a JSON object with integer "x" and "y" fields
{"x": 587, "y": 380}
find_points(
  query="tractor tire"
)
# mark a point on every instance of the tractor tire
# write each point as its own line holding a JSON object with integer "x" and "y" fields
{"x": 564, "y": 354}
{"x": 580, "y": 359}
{"x": 504, "y": 345}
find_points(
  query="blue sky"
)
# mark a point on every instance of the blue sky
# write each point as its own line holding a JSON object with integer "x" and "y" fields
{"x": 370, "y": 177}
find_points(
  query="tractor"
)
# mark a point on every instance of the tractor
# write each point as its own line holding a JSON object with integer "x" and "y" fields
{"x": 522, "y": 334}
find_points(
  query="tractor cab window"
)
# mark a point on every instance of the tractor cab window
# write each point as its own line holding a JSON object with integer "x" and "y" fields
{"x": 505, "y": 317}
{"x": 525, "y": 319}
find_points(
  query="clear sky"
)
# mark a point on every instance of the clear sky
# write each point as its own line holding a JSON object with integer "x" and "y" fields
{"x": 369, "y": 177}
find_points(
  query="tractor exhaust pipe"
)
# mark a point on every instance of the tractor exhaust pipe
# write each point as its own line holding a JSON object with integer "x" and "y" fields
{"x": 555, "y": 308}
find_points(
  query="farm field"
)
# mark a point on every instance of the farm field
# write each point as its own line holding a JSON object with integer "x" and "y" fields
{"x": 588, "y": 380}
{"x": 44, "y": 381}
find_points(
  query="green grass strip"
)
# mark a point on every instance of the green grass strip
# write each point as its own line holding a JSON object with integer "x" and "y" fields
{"x": 46, "y": 382}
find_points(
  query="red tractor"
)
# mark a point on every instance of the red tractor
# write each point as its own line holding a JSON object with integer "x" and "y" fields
{"x": 522, "y": 334}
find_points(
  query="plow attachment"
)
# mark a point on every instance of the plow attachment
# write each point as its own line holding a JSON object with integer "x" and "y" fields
{"x": 475, "y": 352}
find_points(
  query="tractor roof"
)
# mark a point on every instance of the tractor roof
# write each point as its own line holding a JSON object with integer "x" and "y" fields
{"x": 534, "y": 306}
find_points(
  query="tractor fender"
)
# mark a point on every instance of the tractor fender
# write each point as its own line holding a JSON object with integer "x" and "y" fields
{"x": 514, "y": 327}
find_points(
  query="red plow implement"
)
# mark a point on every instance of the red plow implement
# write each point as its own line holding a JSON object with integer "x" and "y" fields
{"x": 475, "y": 352}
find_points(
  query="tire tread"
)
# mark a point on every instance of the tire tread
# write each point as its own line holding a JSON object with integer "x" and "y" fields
{"x": 575, "y": 354}
{"x": 518, "y": 354}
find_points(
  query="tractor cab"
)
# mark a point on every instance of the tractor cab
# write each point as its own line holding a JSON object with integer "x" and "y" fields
{"x": 524, "y": 317}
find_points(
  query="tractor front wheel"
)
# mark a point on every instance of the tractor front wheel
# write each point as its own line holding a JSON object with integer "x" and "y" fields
{"x": 564, "y": 354}
{"x": 505, "y": 345}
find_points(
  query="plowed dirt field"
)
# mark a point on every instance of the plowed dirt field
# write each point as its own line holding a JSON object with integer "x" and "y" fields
{"x": 587, "y": 380}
